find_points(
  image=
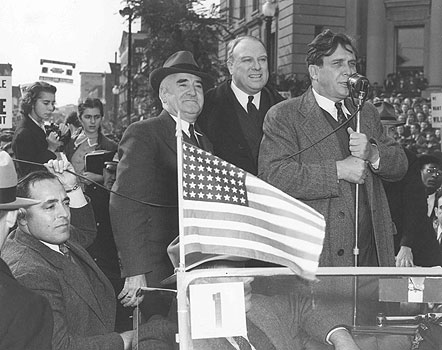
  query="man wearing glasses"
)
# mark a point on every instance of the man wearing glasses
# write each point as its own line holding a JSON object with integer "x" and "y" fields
{"x": 431, "y": 173}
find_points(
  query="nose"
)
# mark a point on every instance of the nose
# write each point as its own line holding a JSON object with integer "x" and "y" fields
{"x": 192, "y": 90}
{"x": 63, "y": 211}
{"x": 256, "y": 65}
{"x": 93, "y": 120}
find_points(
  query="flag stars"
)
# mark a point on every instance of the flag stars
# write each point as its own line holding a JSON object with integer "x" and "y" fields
{"x": 192, "y": 158}
{"x": 224, "y": 172}
{"x": 200, "y": 168}
{"x": 200, "y": 160}
{"x": 192, "y": 176}
{"x": 201, "y": 186}
{"x": 192, "y": 167}
{"x": 232, "y": 173}
{"x": 232, "y": 181}
{"x": 192, "y": 185}
{"x": 192, "y": 194}
{"x": 243, "y": 200}
{"x": 201, "y": 195}
{"x": 226, "y": 188}
{"x": 209, "y": 177}
{"x": 209, "y": 195}
{"x": 226, "y": 197}
{"x": 209, "y": 169}
{"x": 218, "y": 188}
{"x": 218, "y": 197}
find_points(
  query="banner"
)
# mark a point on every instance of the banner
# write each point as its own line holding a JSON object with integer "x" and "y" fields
{"x": 56, "y": 71}
{"x": 5, "y": 102}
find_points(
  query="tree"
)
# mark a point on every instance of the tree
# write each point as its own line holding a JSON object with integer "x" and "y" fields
{"x": 173, "y": 25}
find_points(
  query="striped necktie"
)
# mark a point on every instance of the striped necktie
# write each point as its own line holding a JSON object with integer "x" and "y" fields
{"x": 243, "y": 343}
{"x": 193, "y": 138}
{"x": 341, "y": 115}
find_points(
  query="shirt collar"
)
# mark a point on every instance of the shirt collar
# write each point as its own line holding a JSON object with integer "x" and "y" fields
{"x": 40, "y": 125}
{"x": 328, "y": 105}
{"x": 243, "y": 98}
{"x": 185, "y": 126}
{"x": 54, "y": 247}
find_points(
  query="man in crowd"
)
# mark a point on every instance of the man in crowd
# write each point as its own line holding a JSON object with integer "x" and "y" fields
{"x": 234, "y": 111}
{"x": 438, "y": 226}
{"x": 45, "y": 254}
{"x": 431, "y": 175}
{"x": 324, "y": 176}
{"x": 26, "y": 318}
{"x": 414, "y": 243}
{"x": 147, "y": 172}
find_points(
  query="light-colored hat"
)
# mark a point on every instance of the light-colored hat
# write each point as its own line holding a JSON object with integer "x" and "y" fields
{"x": 198, "y": 260}
{"x": 387, "y": 113}
{"x": 8, "y": 186}
{"x": 179, "y": 62}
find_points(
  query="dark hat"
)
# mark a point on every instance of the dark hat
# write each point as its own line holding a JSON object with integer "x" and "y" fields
{"x": 179, "y": 62}
{"x": 387, "y": 113}
{"x": 435, "y": 158}
{"x": 198, "y": 260}
{"x": 8, "y": 186}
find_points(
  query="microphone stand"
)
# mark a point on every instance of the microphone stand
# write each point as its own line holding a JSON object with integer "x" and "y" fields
{"x": 361, "y": 99}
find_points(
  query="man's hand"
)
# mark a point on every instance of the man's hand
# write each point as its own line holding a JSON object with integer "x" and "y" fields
{"x": 352, "y": 169}
{"x": 404, "y": 257}
{"x": 342, "y": 340}
{"x": 361, "y": 147}
{"x": 128, "y": 339}
{"x": 58, "y": 167}
{"x": 128, "y": 295}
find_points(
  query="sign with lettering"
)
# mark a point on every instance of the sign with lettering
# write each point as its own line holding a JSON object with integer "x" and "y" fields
{"x": 57, "y": 71}
{"x": 436, "y": 110}
{"x": 217, "y": 310}
{"x": 5, "y": 102}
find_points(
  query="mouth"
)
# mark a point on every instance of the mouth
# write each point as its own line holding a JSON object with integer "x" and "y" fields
{"x": 255, "y": 76}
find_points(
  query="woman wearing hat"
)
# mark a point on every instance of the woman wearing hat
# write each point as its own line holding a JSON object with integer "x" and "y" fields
{"x": 26, "y": 318}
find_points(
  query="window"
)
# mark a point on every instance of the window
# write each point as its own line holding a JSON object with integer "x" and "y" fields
{"x": 255, "y": 5}
{"x": 409, "y": 49}
{"x": 242, "y": 9}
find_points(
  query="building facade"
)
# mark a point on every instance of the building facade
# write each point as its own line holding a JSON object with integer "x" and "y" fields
{"x": 392, "y": 36}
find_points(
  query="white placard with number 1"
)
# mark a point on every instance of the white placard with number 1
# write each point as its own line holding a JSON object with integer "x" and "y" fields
{"x": 217, "y": 310}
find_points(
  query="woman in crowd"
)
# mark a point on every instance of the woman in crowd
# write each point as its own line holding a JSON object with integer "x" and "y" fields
{"x": 32, "y": 142}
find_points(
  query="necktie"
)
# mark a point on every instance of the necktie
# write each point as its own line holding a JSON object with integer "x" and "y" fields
{"x": 341, "y": 116}
{"x": 242, "y": 342}
{"x": 252, "y": 111}
{"x": 64, "y": 249}
{"x": 193, "y": 136}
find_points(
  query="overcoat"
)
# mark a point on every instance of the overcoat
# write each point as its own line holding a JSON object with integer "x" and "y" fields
{"x": 311, "y": 176}
{"x": 147, "y": 172}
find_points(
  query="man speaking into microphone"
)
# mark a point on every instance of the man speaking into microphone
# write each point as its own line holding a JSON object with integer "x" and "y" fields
{"x": 325, "y": 175}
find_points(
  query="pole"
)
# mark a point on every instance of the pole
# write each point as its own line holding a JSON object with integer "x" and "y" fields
{"x": 268, "y": 20}
{"x": 129, "y": 70}
{"x": 116, "y": 83}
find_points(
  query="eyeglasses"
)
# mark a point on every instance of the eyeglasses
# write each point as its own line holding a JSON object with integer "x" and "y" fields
{"x": 434, "y": 171}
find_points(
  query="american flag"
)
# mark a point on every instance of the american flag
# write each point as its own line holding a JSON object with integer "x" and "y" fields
{"x": 227, "y": 211}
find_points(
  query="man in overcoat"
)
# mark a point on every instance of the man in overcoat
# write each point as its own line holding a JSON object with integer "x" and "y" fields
{"x": 147, "y": 172}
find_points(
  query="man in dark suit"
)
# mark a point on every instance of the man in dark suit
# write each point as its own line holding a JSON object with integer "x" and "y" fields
{"x": 431, "y": 175}
{"x": 147, "y": 172}
{"x": 234, "y": 111}
{"x": 415, "y": 242}
{"x": 26, "y": 321}
{"x": 45, "y": 254}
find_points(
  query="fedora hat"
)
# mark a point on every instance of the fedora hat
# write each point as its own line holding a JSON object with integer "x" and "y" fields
{"x": 199, "y": 260}
{"x": 179, "y": 62}
{"x": 8, "y": 186}
{"x": 387, "y": 113}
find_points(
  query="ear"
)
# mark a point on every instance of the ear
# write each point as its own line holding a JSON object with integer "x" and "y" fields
{"x": 11, "y": 218}
{"x": 21, "y": 217}
{"x": 313, "y": 71}
{"x": 230, "y": 66}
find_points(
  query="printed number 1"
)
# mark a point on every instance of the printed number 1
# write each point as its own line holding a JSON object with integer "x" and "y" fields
{"x": 218, "y": 315}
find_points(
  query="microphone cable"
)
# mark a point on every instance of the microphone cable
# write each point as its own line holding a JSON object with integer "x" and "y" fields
{"x": 101, "y": 186}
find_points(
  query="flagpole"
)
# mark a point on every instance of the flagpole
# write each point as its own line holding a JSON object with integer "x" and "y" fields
{"x": 183, "y": 330}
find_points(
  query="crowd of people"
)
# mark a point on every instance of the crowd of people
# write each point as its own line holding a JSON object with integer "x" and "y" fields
{"x": 88, "y": 250}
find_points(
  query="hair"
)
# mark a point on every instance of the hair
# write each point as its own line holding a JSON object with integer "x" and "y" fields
{"x": 325, "y": 44}
{"x": 429, "y": 159}
{"x": 233, "y": 43}
{"x": 25, "y": 183}
{"x": 32, "y": 93}
{"x": 72, "y": 118}
{"x": 90, "y": 103}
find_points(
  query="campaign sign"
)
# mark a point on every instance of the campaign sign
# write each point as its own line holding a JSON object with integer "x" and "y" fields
{"x": 5, "y": 102}
{"x": 436, "y": 109}
{"x": 217, "y": 310}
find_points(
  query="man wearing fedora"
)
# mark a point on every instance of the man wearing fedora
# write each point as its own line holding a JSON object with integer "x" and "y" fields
{"x": 147, "y": 172}
{"x": 26, "y": 318}
{"x": 414, "y": 243}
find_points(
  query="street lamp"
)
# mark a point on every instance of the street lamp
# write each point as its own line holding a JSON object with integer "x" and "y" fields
{"x": 129, "y": 12}
{"x": 269, "y": 10}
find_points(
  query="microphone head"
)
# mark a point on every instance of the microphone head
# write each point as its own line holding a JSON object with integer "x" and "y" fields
{"x": 357, "y": 83}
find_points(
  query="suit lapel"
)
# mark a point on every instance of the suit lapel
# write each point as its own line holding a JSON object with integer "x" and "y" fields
{"x": 72, "y": 274}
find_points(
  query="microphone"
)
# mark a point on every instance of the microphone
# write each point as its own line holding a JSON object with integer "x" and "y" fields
{"x": 358, "y": 85}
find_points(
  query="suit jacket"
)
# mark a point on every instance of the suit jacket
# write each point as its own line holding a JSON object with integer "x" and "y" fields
{"x": 81, "y": 297}
{"x": 26, "y": 321}
{"x": 147, "y": 171}
{"x": 219, "y": 121}
{"x": 408, "y": 207}
{"x": 311, "y": 176}
{"x": 29, "y": 143}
